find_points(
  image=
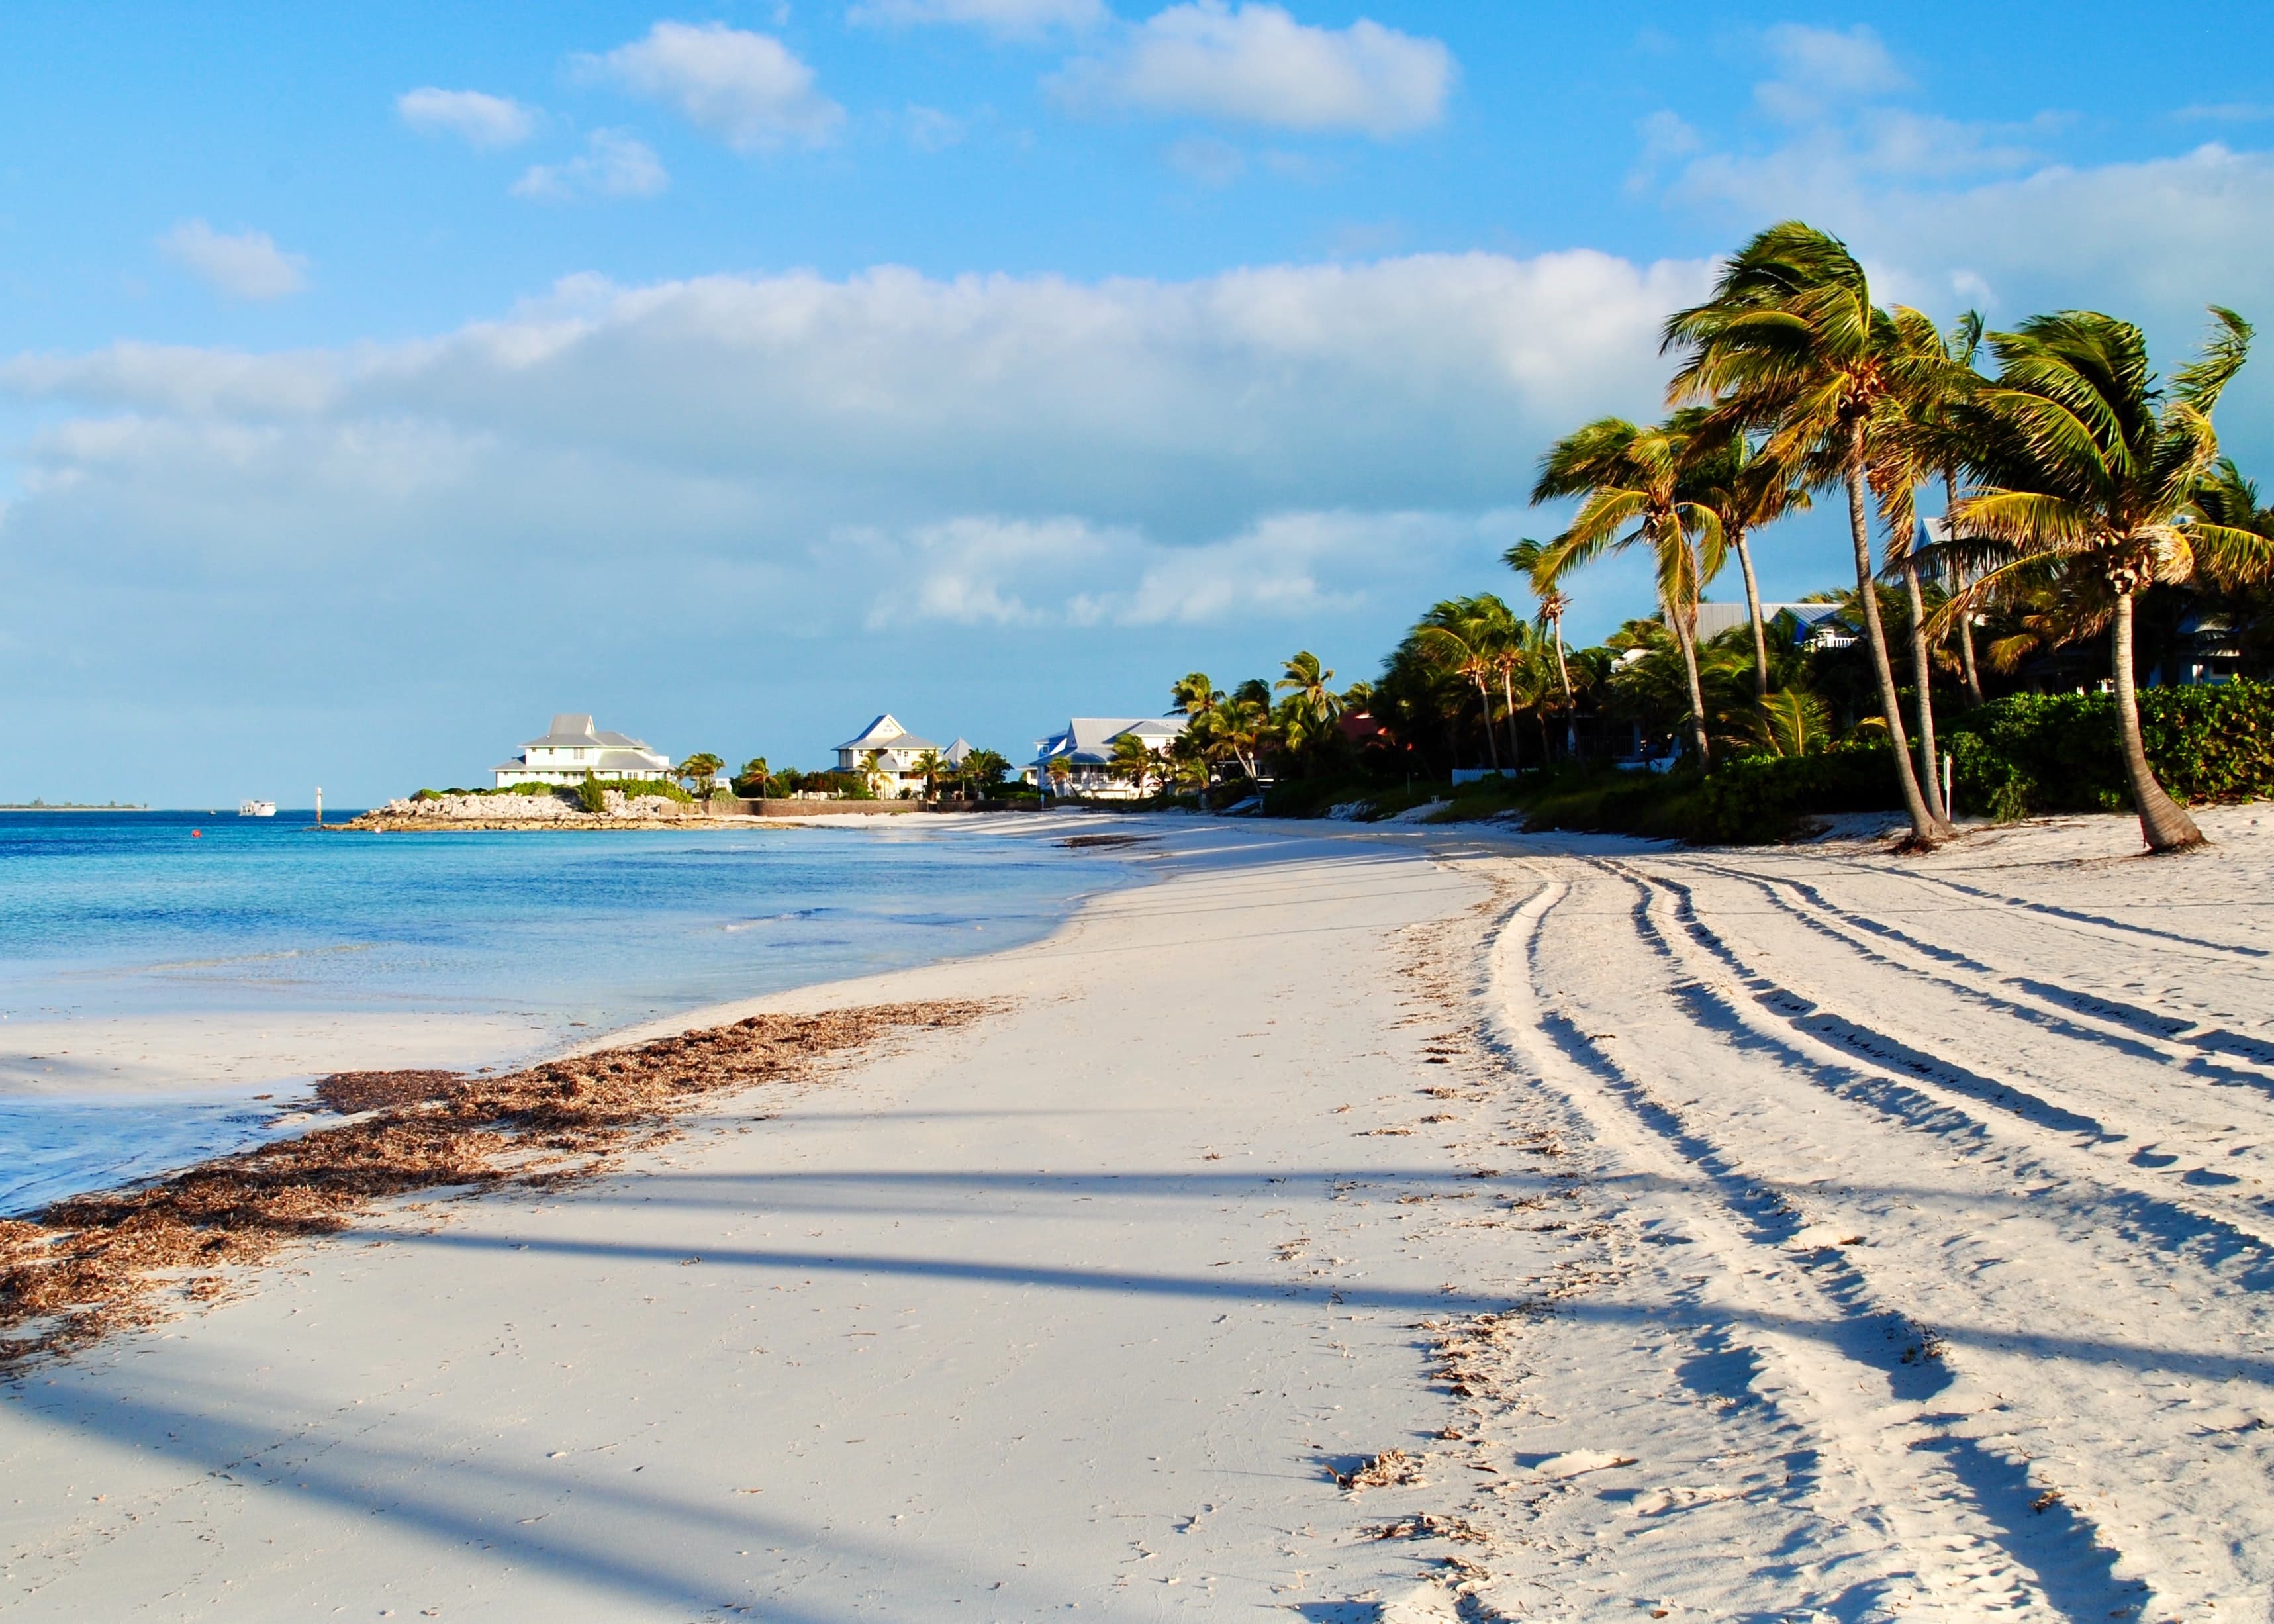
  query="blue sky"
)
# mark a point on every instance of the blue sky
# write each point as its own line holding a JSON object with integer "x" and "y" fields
{"x": 376, "y": 381}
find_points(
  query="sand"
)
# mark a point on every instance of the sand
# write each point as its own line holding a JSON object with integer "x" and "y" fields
{"x": 1348, "y": 1224}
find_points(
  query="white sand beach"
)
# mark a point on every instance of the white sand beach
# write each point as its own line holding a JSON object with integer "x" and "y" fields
{"x": 1802, "y": 1232}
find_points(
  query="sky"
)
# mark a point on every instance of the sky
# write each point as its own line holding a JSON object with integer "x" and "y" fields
{"x": 377, "y": 381}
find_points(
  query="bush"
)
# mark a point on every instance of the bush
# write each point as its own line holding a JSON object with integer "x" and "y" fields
{"x": 2032, "y": 754}
{"x": 632, "y": 789}
{"x": 592, "y": 797}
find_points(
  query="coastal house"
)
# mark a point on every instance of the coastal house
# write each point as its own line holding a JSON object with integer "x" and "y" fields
{"x": 573, "y": 750}
{"x": 1817, "y": 626}
{"x": 897, "y": 751}
{"x": 1086, "y": 743}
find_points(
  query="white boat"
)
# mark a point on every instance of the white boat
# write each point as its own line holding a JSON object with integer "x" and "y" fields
{"x": 256, "y": 809}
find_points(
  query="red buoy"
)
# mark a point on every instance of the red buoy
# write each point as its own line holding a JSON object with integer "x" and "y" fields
{"x": 197, "y": 834}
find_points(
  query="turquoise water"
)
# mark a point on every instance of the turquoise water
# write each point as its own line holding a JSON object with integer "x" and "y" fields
{"x": 135, "y": 913}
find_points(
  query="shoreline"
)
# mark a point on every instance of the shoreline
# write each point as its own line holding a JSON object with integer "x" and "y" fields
{"x": 1375, "y": 1222}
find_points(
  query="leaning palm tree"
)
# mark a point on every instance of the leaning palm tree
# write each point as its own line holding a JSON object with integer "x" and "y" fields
{"x": 1554, "y": 603}
{"x": 1747, "y": 490}
{"x": 1791, "y": 345}
{"x": 2085, "y": 465}
{"x": 1631, "y": 482}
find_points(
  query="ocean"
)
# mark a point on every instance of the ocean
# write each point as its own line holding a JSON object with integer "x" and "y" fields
{"x": 173, "y": 913}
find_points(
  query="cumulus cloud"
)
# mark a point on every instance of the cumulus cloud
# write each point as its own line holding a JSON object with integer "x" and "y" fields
{"x": 1254, "y": 63}
{"x": 1819, "y": 66}
{"x": 245, "y": 265}
{"x": 747, "y": 89}
{"x": 1008, "y": 18}
{"x": 476, "y": 117}
{"x": 614, "y": 164}
{"x": 1066, "y": 572}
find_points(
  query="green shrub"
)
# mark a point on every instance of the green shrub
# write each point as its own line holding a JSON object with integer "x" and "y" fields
{"x": 2032, "y": 754}
{"x": 633, "y": 788}
{"x": 592, "y": 797}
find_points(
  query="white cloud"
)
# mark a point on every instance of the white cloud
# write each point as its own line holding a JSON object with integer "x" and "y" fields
{"x": 1007, "y": 18}
{"x": 246, "y": 265}
{"x": 1207, "y": 160}
{"x": 930, "y": 130}
{"x": 1254, "y": 63}
{"x": 612, "y": 165}
{"x": 747, "y": 89}
{"x": 1066, "y": 572}
{"x": 477, "y": 118}
{"x": 1818, "y": 67}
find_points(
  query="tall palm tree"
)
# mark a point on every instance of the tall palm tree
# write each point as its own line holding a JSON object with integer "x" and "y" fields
{"x": 1960, "y": 347}
{"x": 1632, "y": 477}
{"x": 1554, "y": 603}
{"x": 1791, "y": 344}
{"x": 931, "y": 767}
{"x": 2085, "y": 465}
{"x": 1452, "y": 630}
{"x": 1747, "y": 490}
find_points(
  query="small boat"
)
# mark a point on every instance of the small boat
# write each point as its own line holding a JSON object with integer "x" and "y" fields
{"x": 256, "y": 809}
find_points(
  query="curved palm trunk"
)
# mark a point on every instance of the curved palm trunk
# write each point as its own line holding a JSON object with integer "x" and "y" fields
{"x": 1753, "y": 607}
{"x": 1957, "y": 585}
{"x": 1484, "y": 703}
{"x": 1923, "y": 674}
{"x": 1508, "y": 698}
{"x": 1685, "y": 634}
{"x": 1926, "y": 829}
{"x": 2164, "y": 823}
{"x": 1571, "y": 708}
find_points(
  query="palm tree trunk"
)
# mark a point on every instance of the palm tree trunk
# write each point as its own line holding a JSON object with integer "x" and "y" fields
{"x": 2164, "y": 823}
{"x": 1570, "y": 707}
{"x": 1923, "y": 674}
{"x": 1926, "y": 829}
{"x": 1508, "y": 698}
{"x": 1484, "y": 703}
{"x": 1957, "y": 577}
{"x": 1685, "y": 634}
{"x": 1753, "y": 606}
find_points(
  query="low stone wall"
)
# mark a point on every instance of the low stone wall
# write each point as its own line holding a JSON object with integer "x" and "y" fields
{"x": 521, "y": 812}
{"x": 771, "y": 808}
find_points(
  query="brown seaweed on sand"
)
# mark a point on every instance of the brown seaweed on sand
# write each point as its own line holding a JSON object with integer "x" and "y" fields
{"x": 96, "y": 1264}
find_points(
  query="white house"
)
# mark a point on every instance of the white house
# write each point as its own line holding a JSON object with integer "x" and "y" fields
{"x": 897, "y": 751}
{"x": 573, "y": 750}
{"x": 1086, "y": 746}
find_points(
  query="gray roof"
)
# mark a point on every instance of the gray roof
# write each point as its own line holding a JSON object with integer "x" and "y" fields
{"x": 886, "y": 734}
{"x": 956, "y": 753}
{"x": 573, "y": 731}
{"x": 1090, "y": 738}
{"x": 1714, "y": 619}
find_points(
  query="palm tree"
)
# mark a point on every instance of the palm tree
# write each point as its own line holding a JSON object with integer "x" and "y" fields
{"x": 1628, "y": 476}
{"x": 1194, "y": 693}
{"x": 1790, "y": 344}
{"x": 1307, "y": 680}
{"x": 702, "y": 770}
{"x": 1554, "y": 603}
{"x": 755, "y": 770}
{"x": 1133, "y": 759}
{"x": 931, "y": 767}
{"x": 2085, "y": 465}
{"x": 1452, "y": 631}
{"x": 1058, "y": 770}
{"x": 982, "y": 770}
{"x": 1747, "y": 491}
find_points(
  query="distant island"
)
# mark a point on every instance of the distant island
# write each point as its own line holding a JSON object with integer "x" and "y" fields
{"x": 71, "y": 806}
